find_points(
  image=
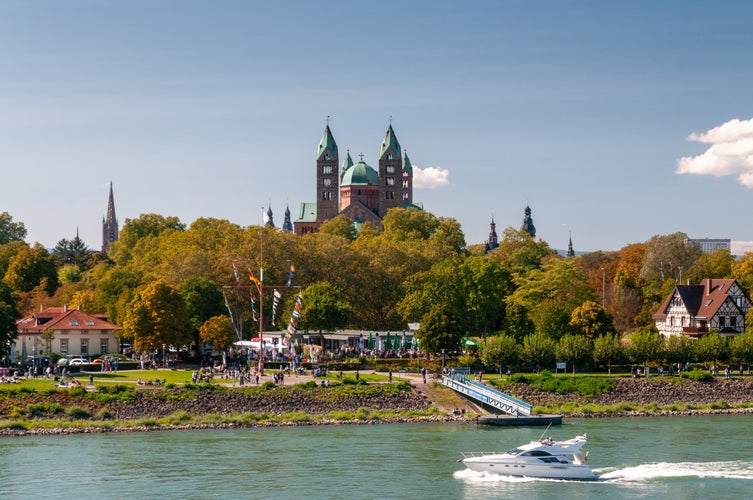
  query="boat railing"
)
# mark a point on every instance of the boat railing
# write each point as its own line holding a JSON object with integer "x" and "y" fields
{"x": 486, "y": 394}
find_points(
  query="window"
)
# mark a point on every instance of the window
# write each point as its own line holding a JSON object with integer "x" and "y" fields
{"x": 390, "y": 181}
{"x": 327, "y": 182}
{"x": 405, "y": 184}
{"x": 733, "y": 321}
{"x": 74, "y": 323}
{"x": 84, "y": 347}
{"x": 405, "y": 196}
{"x": 63, "y": 346}
{"x": 104, "y": 346}
{"x": 390, "y": 169}
{"x": 389, "y": 156}
{"x": 326, "y": 156}
{"x": 722, "y": 321}
{"x": 327, "y": 169}
{"x": 90, "y": 323}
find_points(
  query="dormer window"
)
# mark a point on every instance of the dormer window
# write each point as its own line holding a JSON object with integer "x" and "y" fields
{"x": 389, "y": 156}
{"x": 74, "y": 323}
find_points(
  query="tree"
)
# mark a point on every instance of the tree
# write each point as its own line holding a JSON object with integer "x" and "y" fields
{"x": 607, "y": 350}
{"x": 711, "y": 265}
{"x": 742, "y": 348}
{"x": 591, "y": 320}
{"x": 679, "y": 349}
{"x": 439, "y": 331}
{"x": 323, "y": 309}
{"x": 486, "y": 285}
{"x": 30, "y": 268}
{"x": 203, "y": 300}
{"x": 521, "y": 253}
{"x": 560, "y": 280}
{"x": 538, "y": 349}
{"x": 666, "y": 257}
{"x": 72, "y": 252}
{"x": 9, "y": 230}
{"x": 551, "y": 319}
{"x": 156, "y": 316}
{"x": 742, "y": 271}
{"x": 47, "y": 336}
{"x": 645, "y": 345}
{"x": 517, "y": 322}
{"x": 340, "y": 225}
{"x": 218, "y": 331}
{"x": 624, "y": 307}
{"x": 712, "y": 348}
{"x": 574, "y": 349}
{"x": 8, "y": 316}
{"x": 499, "y": 350}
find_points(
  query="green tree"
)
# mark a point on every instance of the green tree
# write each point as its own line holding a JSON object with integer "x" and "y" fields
{"x": 521, "y": 253}
{"x": 539, "y": 350}
{"x": 560, "y": 280}
{"x": 575, "y": 350}
{"x": 157, "y": 315}
{"x": 9, "y": 230}
{"x": 218, "y": 331}
{"x": 517, "y": 322}
{"x": 8, "y": 316}
{"x": 645, "y": 346}
{"x": 72, "y": 252}
{"x": 742, "y": 271}
{"x": 499, "y": 350}
{"x": 607, "y": 350}
{"x": 712, "y": 348}
{"x": 486, "y": 284}
{"x": 203, "y": 300}
{"x": 323, "y": 309}
{"x": 31, "y": 268}
{"x": 711, "y": 265}
{"x": 439, "y": 331}
{"x": 679, "y": 349}
{"x": 591, "y": 320}
{"x": 551, "y": 319}
{"x": 340, "y": 225}
{"x": 741, "y": 348}
{"x": 47, "y": 336}
{"x": 143, "y": 227}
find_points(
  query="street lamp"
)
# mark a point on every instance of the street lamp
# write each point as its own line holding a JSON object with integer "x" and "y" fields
{"x": 603, "y": 285}
{"x": 164, "y": 358}
{"x": 442, "y": 361}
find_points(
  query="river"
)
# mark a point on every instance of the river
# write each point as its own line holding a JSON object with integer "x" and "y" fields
{"x": 661, "y": 457}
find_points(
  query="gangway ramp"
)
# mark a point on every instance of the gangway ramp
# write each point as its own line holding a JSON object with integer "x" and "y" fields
{"x": 486, "y": 395}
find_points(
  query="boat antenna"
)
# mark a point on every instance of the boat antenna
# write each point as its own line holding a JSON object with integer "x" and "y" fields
{"x": 542, "y": 434}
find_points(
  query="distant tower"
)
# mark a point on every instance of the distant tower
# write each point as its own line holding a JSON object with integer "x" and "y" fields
{"x": 570, "y": 251}
{"x": 406, "y": 194}
{"x": 269, "y": 221}
{"x": 109, "y": 224}
{"x": 492, "y": 242}
{"x": 327, "y": 178}
{"x": 528, "y": 226}
{"x": 287, "y": 225}
{"x": 390, "y": 173}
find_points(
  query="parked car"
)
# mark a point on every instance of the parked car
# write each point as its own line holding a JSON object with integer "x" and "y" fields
{"x": 78, "y": 362}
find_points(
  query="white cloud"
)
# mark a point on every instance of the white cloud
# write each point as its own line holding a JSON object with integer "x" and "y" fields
{"x": 430, "y": 177}
{"x": 741, "y": 247}
{"x": 730, "y": 153}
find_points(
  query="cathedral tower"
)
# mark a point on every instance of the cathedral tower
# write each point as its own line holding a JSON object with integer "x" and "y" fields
{"x": 528, "y": 226}
{"x": 327, "y": 178}
{"x": 109, "y": 224}
{"x": 390, "y": 173}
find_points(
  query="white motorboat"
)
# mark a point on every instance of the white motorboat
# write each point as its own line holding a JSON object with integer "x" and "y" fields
{"x": 540, "y": 459}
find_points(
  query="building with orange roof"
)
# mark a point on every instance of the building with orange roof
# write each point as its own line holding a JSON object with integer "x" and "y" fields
{"x": 73, "y": 332}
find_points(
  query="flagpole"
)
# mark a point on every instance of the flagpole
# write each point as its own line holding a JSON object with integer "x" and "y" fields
{"x": 261, "y": 296}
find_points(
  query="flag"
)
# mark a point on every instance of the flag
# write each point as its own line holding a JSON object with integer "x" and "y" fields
{"x": 253, "y": 278}
{"x": 275, "y": 301}
{"x": 230, "y": 311}
{"x": 237, "y": 276}
{"x": 290, "y": 276}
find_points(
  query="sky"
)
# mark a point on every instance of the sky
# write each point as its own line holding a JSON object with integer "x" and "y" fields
{"x": 613, "y": 121}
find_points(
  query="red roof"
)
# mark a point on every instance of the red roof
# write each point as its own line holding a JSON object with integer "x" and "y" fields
{"x": 63, "y": 318}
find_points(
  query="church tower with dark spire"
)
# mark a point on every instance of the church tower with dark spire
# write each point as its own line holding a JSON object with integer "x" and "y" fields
{"x": 528, "y": 226}
{"x": 269, "y": 221}
{"x": 570, "y": 251}
{"x": 492, "y": 242}
{"x": 109, "y": 224}
{"x": 327, "y": 178}
{"x": 287, "y": 224}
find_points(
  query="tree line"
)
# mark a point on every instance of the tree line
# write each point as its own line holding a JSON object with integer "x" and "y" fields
{"x": 167, "y": 282}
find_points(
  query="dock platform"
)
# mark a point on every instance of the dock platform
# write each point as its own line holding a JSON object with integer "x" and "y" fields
{"x": 511, "y": 420}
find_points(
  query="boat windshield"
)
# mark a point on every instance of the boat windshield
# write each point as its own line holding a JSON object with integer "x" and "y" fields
{"x": 514, "y": 451}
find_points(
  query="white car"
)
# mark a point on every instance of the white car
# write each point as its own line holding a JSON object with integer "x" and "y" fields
{"x": 78, "y": 361}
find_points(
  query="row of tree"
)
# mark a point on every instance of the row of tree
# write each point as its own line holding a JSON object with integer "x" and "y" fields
{"x": 163, "y": 280}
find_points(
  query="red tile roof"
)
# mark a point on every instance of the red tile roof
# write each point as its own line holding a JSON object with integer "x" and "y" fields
{"x": 63, "y": 318}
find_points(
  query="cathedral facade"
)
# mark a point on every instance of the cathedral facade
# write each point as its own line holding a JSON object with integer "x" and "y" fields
{"x": 357, "y": 190}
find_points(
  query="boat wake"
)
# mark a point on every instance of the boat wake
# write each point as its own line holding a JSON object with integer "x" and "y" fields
{"x": 634, "y": 474}
{"x": 661, "y": 470}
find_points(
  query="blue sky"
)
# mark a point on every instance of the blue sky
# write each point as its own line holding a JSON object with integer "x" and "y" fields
{"x": 581, "y": 109}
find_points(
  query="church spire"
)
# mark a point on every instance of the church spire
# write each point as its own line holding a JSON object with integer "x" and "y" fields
{"x": 109, "y": 224}
{"x": 570, "y": 251}
{"x": 287, "y": 225}
{"x": 390, "y": 144}
{"x": 492, "y": 242}
{"x": 269, "y": 221}
{"x": 327, "y": 144}
{"x": 528, "y": 226}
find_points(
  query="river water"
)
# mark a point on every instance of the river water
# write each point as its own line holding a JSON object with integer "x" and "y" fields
{"x": 662, "y": 457}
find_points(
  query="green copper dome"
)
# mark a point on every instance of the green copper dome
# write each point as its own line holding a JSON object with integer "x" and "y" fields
{"x": 360, "y": 174}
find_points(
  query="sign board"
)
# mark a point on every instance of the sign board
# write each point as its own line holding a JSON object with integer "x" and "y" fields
{"x": 561, "y": 365}
{"x": 414, "y": 326}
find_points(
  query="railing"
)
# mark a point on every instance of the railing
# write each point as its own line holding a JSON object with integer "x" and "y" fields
{"x": 486, "y": 395}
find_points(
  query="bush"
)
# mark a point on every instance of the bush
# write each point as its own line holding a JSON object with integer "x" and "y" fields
{"x": 77, "y": 413}
{"x": 352, "y": 381}
{"x": 518, "y": 378}
{"x": 403, "y": 386}
{"x": 698, "y": 375}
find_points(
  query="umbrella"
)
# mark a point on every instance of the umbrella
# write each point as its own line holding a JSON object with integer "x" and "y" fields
{"x": 376, "y": 342}
{"x": 360, "y": 342}
{"x": 402, "y": 344}
{"x": 371, "y": 342}
{"x": 470, "y": 342}
{"x": 388, "y": 342}
{"x": 23, "y": 352}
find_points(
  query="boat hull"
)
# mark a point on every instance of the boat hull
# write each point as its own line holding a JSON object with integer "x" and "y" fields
{"x": 580, "y": 472}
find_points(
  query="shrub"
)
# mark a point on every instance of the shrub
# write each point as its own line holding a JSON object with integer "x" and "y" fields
{"x": 77, "y": 391}
{"x": 518, "y": 378}
{"x": 698, "y": 375}
{"x": 77, "y": 413}
{"x": 39, "y": 409}
{"x": 403, "y": 386}
{"x": 104, "y": 414}
{"x": 352, "y": 381}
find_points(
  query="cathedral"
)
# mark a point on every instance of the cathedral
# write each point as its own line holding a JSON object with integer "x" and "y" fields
{"x": 109, "y": 224}
{"x": 357, "y": 190}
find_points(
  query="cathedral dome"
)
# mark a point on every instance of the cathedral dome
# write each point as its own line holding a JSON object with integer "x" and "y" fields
{"x": 360, "y": 174}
